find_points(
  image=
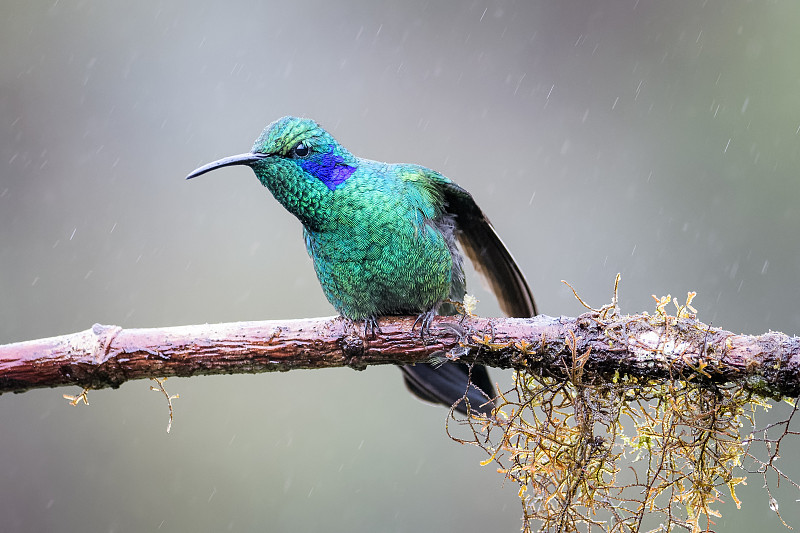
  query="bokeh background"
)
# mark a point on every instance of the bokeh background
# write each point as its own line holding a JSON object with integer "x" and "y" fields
{"x": 656, "y": 139}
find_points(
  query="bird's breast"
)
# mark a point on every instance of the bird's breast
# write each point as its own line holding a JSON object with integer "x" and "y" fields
{"x": 381, "y": 265}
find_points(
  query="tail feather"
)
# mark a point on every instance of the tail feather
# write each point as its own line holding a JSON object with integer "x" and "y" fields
{"x": 450, "y": 383}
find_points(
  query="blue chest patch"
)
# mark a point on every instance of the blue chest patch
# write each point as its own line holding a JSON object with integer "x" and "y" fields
{"x": 329, "y": 168}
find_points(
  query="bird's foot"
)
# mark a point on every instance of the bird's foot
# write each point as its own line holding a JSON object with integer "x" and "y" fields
{"x": 371, "y": 327}
{"x": 424, "y": 320}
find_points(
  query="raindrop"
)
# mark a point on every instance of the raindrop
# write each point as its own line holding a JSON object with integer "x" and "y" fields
{"x": 520, "y": 82}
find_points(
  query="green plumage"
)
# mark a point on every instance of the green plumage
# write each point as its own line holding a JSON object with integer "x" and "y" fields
{"x": 383, "y": 237}
{"x": 387, "y": 255}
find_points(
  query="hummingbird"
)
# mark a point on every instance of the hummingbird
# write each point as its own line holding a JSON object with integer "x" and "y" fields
{"x": 384, "y": 240}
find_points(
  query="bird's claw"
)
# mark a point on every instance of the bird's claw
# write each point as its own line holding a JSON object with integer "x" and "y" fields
{"x": 425, "y": 320}
{"x": 371, "y": 327}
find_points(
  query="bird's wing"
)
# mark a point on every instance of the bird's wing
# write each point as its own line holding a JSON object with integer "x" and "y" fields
{"x": 451, "y": 382}
{"x": 487, "y": 252}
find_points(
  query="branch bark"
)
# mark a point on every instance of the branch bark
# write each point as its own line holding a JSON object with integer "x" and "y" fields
{"x": 649, "y": 347}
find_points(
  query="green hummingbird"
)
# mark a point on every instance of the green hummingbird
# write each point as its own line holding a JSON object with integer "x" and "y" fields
{"x": 384, "y": 241}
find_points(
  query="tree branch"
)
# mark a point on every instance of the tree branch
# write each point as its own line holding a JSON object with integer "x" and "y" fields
{"x": 649, "y": 347}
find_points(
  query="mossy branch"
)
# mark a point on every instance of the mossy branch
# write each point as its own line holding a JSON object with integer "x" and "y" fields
{"x": 644, "y": 346}
{"x": 589, "y": 390}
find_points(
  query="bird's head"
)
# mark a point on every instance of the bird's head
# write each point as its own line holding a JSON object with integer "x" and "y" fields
{"x": 299, "y": 162}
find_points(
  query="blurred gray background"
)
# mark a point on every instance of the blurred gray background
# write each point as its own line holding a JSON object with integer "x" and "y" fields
{"x": 656, "y": 139}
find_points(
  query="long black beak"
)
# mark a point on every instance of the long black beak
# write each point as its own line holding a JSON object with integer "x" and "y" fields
{"x": 241, "y": 159}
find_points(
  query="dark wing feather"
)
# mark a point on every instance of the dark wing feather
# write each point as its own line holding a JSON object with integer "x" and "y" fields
{"x": 487, "y": 252}
{"x": 448, "y": 383}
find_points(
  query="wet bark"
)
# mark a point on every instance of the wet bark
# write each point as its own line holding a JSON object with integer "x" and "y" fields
{"x": 649, "y": 347}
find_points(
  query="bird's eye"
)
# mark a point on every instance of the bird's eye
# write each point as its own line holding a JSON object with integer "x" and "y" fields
{"x": 301, "y": 150}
